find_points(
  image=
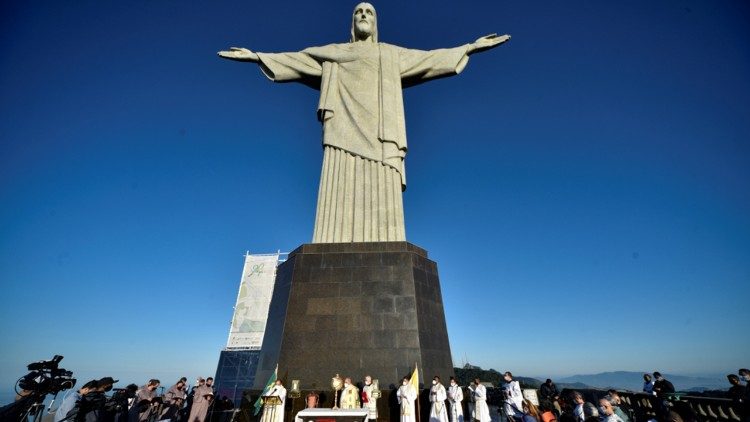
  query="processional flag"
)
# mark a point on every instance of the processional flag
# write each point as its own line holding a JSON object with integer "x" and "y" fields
{"x": 271, "y": 382}
{"x": 414, "y": 381}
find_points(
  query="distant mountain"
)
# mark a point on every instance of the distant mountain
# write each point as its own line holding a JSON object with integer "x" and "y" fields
{"x": 466, "y": 375}
{"x": 634, "y": 381}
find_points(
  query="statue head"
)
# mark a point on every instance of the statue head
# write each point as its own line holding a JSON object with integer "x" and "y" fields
{"x": 364, "y": 23}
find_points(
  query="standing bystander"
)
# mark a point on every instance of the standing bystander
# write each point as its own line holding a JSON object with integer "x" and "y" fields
{"x": 648, "y": 384}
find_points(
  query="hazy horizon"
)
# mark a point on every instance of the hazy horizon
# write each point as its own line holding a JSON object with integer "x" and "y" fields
{"x": 583, "y": 188}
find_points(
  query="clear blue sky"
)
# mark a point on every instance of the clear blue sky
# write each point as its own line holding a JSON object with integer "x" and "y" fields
{"x": 585, "y": 188}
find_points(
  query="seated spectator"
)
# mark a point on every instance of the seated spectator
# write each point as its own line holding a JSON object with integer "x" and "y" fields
{"x": 614, "y": 397}
{"x": 615, "y": 405}
{"x": 607, "y": 411}
{"x": 566, "y": 409}
{"x": 530, "y": 412}
{"x": 583, "y": 410}
{"x": 547, "y": 414}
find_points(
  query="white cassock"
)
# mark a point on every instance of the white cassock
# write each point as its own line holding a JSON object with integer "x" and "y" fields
{"x": 438, "y": 412}
{"x": 481, "y": 411}
{"x": 275, "y": 413}
{"x": 456, "y": 397}
{"x": 406, "y": 396}
{"x": 369, "y": 402}
{"x": 513, "y": 398}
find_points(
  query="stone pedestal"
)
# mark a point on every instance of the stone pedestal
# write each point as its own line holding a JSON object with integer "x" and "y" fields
{"x": 356, "y": 309}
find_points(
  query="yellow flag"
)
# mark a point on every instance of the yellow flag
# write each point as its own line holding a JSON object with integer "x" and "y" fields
{"x": 415, "y": 379}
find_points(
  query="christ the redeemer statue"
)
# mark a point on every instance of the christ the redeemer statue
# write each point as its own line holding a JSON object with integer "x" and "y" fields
{"x": 362, "y": 112}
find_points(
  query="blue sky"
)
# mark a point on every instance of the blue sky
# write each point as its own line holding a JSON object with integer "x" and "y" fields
{"x": 583, "y": 188}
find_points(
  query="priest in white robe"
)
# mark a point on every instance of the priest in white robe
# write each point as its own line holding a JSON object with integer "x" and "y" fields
{"x": 369, "y": 401}
{"x": 455, "y": 398}
{"x": 438, "y": 395}
{"x": 513, "y": 397}
{"x": 481, "y": 410}
{"x": 275, "y": 413}
{"x": 349, "y": 395}
{"x": 362, "y": 112}
{"x": 406, "y": 396}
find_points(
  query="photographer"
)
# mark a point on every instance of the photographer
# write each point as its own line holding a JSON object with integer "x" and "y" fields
{"x": 13, "y": 411}
{"x": 70, "y": 400}
{"x": 92, "y": 407}
{"x": 119, "y": 403}
{"x": 44, "y": 377}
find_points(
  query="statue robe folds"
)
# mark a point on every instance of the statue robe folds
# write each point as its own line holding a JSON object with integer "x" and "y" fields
{"x": 364, "y": 133}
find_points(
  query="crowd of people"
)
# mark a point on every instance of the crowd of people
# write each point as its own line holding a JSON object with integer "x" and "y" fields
{"x": 447, "y": 406}
{"x": 611, "y": 408}
{"x": 180, "y": 403}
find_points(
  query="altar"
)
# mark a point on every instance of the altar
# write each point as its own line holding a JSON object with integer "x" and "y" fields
{"x": 331, "y": 415}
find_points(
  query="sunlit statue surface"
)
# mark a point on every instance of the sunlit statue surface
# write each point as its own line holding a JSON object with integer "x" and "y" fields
{"x": 362, "y": 112}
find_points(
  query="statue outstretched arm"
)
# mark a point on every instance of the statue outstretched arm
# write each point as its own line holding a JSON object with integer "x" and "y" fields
{"x": 281, "y": 67}
{"x": 239, "y": 54}
{"x": 418, "y": 66}
{"x": 487, "y": 42}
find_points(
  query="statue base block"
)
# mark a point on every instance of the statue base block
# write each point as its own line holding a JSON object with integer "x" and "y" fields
{"x": 355, "y": 309}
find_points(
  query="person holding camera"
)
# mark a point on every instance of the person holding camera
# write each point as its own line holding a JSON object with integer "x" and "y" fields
{"x": 70, "y": 400}
{"x": 92, "y": 406}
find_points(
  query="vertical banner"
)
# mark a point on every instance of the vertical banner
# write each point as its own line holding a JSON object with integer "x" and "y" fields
{"x": 253, "y": 300}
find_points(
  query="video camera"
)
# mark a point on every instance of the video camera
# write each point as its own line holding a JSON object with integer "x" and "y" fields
{"x": 46, "y": 377}
{"x": 119, "y": 400}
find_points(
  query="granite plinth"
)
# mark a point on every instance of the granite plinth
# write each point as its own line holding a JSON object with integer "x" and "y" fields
{"x": 355, "y": 309}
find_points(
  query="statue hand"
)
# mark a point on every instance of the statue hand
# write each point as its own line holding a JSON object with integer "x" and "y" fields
{"x": 487, "y": 42}
{"x": 239, "y": 53}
